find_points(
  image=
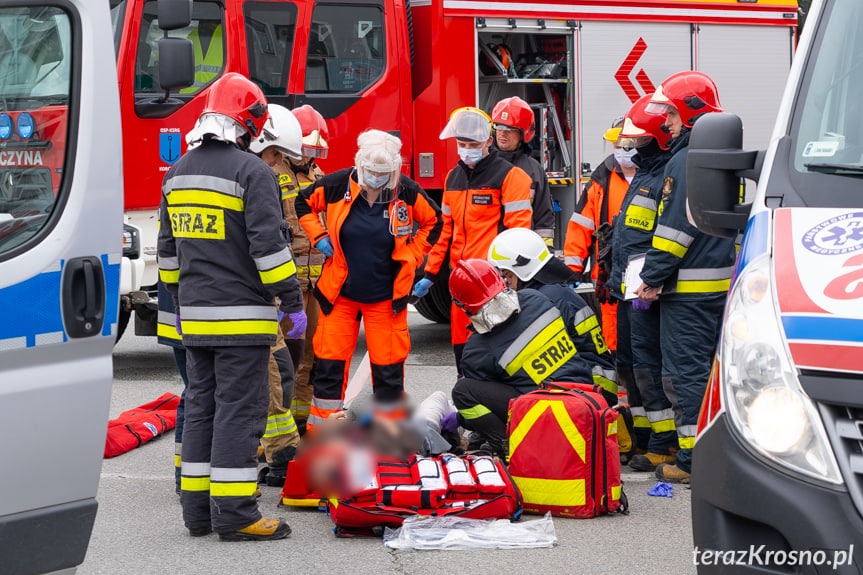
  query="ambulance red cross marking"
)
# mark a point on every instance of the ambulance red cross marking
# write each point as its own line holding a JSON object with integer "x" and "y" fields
{"x": 622, "y": 74}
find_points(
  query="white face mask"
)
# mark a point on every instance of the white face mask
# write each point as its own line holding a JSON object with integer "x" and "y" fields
{"x": 624, "y": 157}
{"x": 470, "y": 156}
{"x": 376, "y": 182}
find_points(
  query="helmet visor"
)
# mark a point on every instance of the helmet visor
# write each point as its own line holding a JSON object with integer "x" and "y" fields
{"x": 657, "y": 109}
{"x": 468, "y": 124}
{"x": 632, "y": 142}
{"x": 496, "y": 311}
{"x": 315, "y": 146}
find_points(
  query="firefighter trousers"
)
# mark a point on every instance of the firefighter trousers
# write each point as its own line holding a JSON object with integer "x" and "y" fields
{"x": 626, "y": 376}
{"x": 303, "y": 389}
{"x": 647, "y": 369}
{"x": 180, "y": 360}
{"x": 387, "y": 340}
{"x": 483, "y": 406}
{"x": 281, "y": 431}
{"x": 226, "y": 412}
{"x": 690, "y": 332}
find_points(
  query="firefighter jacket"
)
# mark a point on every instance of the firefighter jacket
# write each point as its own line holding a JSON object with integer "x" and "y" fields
{"x": 221, "y": 252}
{"x": 310, "y": 262}
{"x": 531, "y": 347}
{"x": 540, "y": 193}
{"x": 599, "y": 202}
{"x": 478, "y": 204}
{"x": 633, "y": 232}
{"x": 335, "y": 194}
{"x": 687, "y": 263}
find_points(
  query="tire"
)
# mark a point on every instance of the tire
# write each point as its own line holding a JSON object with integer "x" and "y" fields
{"x": 427, "y": 308}
{"x": 122, "y": 323}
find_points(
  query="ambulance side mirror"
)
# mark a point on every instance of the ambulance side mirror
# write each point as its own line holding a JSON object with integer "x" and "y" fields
{"x": 176, "y": 55}
{"x": 715, "y": 166}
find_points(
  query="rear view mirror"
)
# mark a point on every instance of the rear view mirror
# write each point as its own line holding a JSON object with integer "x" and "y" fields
{"x": 176, "y": 63}
{"x": 174, "y": 14}
{"x": 715, "y": 165}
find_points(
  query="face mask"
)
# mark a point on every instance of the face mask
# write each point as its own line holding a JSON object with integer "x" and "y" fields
{"x": 470, "y": 156}
{"x": 376, "y": 182}
{"x": 624, "y": 157}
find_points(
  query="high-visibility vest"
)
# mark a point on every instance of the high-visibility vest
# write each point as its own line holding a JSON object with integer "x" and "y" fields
{"x": 209, "y": 65}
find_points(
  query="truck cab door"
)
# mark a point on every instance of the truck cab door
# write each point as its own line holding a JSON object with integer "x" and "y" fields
{"x": 61, "y": 199}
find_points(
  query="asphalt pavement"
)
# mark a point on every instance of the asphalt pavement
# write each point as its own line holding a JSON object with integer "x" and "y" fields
{"x": 139, "y": 527}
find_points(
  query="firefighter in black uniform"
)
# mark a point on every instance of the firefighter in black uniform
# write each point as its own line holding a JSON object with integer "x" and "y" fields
{"x": 639, "y": 327}
{"x": 693, "y": 269}
{"x": 519, "y": 340}
{"x": 224, "y": 260}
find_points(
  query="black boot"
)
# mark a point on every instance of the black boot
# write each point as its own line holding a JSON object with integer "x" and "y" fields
{"x": 279, "y": 467}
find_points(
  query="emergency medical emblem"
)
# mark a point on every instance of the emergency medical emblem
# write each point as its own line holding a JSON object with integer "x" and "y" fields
{"x": 669, "y": 184}
{"x": 841, "y": 234}
{"x": 402, "y": 213}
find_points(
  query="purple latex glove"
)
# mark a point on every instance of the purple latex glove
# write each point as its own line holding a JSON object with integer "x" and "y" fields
{"x": 638, "y": 305}
{"x": 449, "y": 422}
{"x": 177, "y": 324}
{"x": 300, "y": 321}
{"x": 661, "y": 489}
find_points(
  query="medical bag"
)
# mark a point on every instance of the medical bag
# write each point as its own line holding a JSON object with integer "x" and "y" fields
{"x": 138, "y": 426}
{"x": 563, "y": 452}
{"x": 475, "y": 487}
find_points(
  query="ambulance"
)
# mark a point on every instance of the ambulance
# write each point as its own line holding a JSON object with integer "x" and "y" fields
{"x": 777, "y": 476}
{"x": 404, "y": 65}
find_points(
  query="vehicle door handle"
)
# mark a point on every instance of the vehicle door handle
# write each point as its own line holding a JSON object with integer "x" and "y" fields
{"x": 83, "y": 296}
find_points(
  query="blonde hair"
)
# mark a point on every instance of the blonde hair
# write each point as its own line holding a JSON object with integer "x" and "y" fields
{"x": 379, "y": 152}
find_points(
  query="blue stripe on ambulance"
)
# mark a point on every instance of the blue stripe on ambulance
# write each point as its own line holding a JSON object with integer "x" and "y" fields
{"x": 821, "y": 328}
{"x": 111, "y": 265}
{"x": 754, "y": 240}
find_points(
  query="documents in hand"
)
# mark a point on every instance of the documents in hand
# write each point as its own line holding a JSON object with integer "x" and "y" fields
{"x": 632, "y": 277}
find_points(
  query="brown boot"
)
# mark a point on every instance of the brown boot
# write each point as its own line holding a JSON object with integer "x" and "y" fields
{"x": 672, "y": 474}
{"x": 649, "y": 461}
{"x": 261, "y": 530}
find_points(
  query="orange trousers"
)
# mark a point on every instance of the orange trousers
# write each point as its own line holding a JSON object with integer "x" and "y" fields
{"x": 609, "y": 325}
{"x": 388, "y": 343}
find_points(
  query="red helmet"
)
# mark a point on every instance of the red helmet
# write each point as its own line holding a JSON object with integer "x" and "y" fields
{"x": 239, "y": 98}
{"x": 473, "y": 283}
{"x": 315, "y": 133}
{"x": 639, "y": 126}
{"x": 515, "y": 113}
{"x": 691, "y": 93}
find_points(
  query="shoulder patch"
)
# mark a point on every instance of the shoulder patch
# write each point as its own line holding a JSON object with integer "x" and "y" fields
{"x": 669, "y": 185}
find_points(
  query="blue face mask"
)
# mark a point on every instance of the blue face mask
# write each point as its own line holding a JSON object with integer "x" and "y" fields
{"x": 376, "y": 182}
{"x": 470, "y": 156}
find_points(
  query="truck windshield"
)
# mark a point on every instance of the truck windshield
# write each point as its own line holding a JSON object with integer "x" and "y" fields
{"x": 829, "y": 123}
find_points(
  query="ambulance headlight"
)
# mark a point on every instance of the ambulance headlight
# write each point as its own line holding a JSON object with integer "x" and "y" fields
{"x": 5, "y": 126}
{"x": 766, "y": 405}
{"x": 26, "y": 125}
{"x": 130, "y": 241}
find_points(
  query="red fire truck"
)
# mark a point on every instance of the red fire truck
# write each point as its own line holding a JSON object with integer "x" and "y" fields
{"x": 404, "y": 65}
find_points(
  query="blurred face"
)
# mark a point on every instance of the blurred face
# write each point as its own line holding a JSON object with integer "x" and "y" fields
{"x": 673, "y": 122}
{"x": 510, "y": 277}
{"x": 508, "y": 139}
{"x": 271, "y": 156}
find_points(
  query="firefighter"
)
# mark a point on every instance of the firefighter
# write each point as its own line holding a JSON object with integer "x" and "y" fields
{"x": 372, "y": 254}
{"x": 296, "y": 175}
{"x": 224, "y": 260}
{"x": 483, "y": 194}
{"x": 638, "y": 326}
{"x": 514, "y": 127}
{"x": 525, "y": 262}
{"x": 519, "y": 340}
{"x": 209, "y": 52}
{"x": 693, "y": 269}
{"x": 598, "y": 205}
{"x": 280, "y": 140}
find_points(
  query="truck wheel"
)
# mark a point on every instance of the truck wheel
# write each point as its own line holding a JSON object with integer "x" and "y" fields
{"x": 122, "y": 322}
{"x": 428, "y": 310}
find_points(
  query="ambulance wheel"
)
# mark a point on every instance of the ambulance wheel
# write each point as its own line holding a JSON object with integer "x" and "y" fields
{"x": 122, "y": 322}
{"x": 429, "y": 310}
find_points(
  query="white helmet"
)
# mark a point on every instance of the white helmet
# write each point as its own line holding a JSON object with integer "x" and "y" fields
{"x": 519, "y": 250}
{"x": 283, "y": 131}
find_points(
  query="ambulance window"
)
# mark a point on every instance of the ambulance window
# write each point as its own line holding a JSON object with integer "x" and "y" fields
{"x": 208, "y": 44}
{"x": 35, "y": 84}
{"x": 346, "y": 51}
{"x": 270, "y": 30}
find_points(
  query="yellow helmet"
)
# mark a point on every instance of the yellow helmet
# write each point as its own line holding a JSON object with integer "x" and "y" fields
{"x": 471, "y": 124}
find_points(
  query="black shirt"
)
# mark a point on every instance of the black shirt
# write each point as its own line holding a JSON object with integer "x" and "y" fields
{"x": 368, "y": 245}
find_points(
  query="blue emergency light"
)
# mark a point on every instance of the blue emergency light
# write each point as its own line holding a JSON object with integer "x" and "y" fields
{"x": 5, "y": 126}
{"x": 26, "y": 125}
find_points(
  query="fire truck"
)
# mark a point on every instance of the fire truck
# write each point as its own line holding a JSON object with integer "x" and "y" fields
{"x": 404, "y": 65}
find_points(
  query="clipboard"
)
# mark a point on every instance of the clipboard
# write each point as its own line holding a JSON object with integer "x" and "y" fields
{"x": 632, "y": 277}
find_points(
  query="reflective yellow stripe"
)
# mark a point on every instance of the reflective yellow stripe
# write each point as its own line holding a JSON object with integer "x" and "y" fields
{"x": 605, "y": 383}
{"x": 195, "y": 483}
{"x": 558, "y": 410}
{"x": 474, "y": 412}
{"x": 559, "y": 492}
{"x": 333, "y": 501}
{"x": 615, "y": 492}
{"x": 587, "y": 325}
{"x": 703, "y": 286}
{"x": 310, "y": 270}
{"x": 639, "y": 217}
{"x": 177, "y": 462}
{"x": 168, "y": 331}
{"x": 242, "y": 327}
{"x": 280, "y": 424}
{"x": 205, "y": 198}
{"x": 612, "y": 428}
{"x": 641, "y": 421}
{"x": 169, "y": 276}
{"x": 686, "y": 442}
{"x": 233, "y": 489}
{"x": 314, "y": 502}
{"x": 662, "y": 426}
{"x": 669, "y": 246}
{"x": 280, "y": 273}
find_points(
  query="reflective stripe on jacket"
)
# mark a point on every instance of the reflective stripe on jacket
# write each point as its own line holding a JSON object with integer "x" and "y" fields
{"x": 310, "y": 262}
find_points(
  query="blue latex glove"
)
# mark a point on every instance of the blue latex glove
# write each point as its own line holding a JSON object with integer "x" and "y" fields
{"x": 422, "y": 287}
{"x": 281, "y": 315}
{"x": 449, "y": 422}
{"x": 177, "y": 324}
{"x": 661, "y": 489}
{"x": 300, "y": 321}
{"x": 325, "y": 246}
{"x": 639, "y": 305}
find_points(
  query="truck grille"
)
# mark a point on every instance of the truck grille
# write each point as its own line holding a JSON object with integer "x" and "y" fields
{"x": 845, "y": 428}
